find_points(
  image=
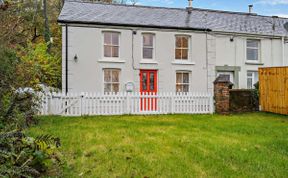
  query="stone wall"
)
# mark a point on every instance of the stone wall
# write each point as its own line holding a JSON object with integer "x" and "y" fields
{"x": 243, "y": 100}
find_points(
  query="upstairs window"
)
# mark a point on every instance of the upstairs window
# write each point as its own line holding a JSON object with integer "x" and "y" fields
{"x": 182, "y": 81}
{"x": 148, "y": 46}
{"x": 181, "y": 47}
{"x": 253, "y": 50}
{"x": 111, "y": 44}
{"x": 111, "y": 80}
{"x": 252, "y": 78}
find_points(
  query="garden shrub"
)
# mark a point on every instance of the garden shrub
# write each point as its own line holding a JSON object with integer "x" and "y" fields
{"x": 21, "y": 155}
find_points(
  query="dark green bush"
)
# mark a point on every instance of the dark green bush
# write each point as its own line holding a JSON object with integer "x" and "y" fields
{"x": 22, "y": 156}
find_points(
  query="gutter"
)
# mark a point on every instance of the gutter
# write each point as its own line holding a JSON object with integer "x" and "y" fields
{"x": 132, "y": 25}
{"x": 246, "y": 34}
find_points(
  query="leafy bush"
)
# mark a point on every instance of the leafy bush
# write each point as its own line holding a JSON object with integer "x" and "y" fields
{"x": 19, "y": 111}
{"x": 41, "y": 66}
{"x": 255, "y": 95}
{"x": 22, "y": 156}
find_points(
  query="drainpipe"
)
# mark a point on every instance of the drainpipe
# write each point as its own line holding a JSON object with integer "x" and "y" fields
{"x": 66, "y": 59}
{"x": 283, "y": 51}
{"x": 207, "y": 62}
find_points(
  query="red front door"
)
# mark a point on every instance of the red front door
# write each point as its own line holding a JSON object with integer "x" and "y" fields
{"x": 148, "y": 86}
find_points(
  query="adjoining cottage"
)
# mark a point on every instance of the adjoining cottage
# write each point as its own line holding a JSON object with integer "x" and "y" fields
{"x": 112, "y": 48}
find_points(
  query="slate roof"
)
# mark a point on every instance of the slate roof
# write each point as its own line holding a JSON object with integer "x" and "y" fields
{"x": 177, "y": 18}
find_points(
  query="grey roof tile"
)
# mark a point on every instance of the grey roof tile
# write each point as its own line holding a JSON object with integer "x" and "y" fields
{"x": 99, "y": 13}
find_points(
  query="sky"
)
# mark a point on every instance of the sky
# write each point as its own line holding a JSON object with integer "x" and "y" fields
{"x": 263, "y": 7}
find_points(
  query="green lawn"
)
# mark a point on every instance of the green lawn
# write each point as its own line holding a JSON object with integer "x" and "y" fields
{"x": 246, "y": 145}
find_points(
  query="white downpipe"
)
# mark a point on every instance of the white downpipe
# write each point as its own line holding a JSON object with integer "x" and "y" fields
{"x": 283, "y": 51}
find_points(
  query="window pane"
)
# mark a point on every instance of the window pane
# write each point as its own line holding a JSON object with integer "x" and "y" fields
{"x": 107, "y": 87}
{"x": 148, "y": 40}
{"x": 185, "y": 88}
{"x": 184, "y": 53}
{"x": 178, "y": 54}
{"x": 249, "y": 74}
{"x": 115, "y": 39}
{"x": 185, "y": 77}
{"x": 115, "y": 87}
{"x": 252, "y": 54}
{"x": 144, "y": 81}
{"x": 184, "y": 42}
{"x": 115, "y": 76}
{"x": 178, "y": 42}
{"x": 253, "y": 43}
{"x": 249, "y": 83}
{"x": 115, "y": 51}
{"x": 107, "y": 76}
{"x": 178, "y": 77}
{"x": 107, "y": 38}
{"x": 147, "y": 53}
{"x": 178, "y": 88}
{"x": 152, "y": 81}
{"x": 256, "y": 77}
{"x": 107, "y": 51}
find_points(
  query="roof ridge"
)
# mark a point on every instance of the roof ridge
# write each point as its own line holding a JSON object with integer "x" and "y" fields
{"x": 175, "y": 8}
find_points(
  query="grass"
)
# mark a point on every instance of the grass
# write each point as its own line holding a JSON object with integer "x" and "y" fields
{"x": 245, "y": 145}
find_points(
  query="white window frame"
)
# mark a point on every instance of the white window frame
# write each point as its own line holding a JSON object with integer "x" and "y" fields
{"x": 189, "y": 80}
{"x": 103, "y": 45}
{"x": 188, "y": 48}
{"x": 119, "y": 79}
{"x": 258, "y": 49}
{"x": 153, "y": 47}
{"x": 253, "y": 78}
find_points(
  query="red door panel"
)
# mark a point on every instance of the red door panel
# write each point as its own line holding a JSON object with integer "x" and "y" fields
{"x": 148, "y": 85}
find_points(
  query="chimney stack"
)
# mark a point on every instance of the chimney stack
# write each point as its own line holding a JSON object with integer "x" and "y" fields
{"x": 251, "y": 9}
{"x": 190, "y": 6}
{"x": 190, "y": 3}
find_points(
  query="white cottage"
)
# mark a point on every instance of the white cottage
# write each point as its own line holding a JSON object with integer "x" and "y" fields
{"x": 111, "y": 47}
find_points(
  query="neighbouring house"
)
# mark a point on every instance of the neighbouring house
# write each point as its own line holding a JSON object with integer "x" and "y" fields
{"x": 112, "y": 47}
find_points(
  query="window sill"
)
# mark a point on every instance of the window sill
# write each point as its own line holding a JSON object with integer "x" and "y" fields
{"x": 148, "y": 61}
{"x": 111, "y": 60}
{"x": 254, "y": 63}
{"x": 181, "y": 62}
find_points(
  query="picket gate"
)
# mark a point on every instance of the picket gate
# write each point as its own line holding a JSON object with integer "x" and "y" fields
{"x": 84, "y": 103}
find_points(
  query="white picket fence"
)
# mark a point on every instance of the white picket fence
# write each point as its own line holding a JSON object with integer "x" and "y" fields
{"x": 77, "y": 104}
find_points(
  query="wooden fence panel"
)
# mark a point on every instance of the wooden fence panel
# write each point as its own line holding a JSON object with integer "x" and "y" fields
{"x": 274, "y": 89}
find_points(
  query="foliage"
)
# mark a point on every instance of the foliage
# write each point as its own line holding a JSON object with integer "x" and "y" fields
{"x": 255, "y": 95}
{"x": 22, "y": 156}
{"x": 24, "y": 26}
{"x": 40, "y": 66}
{"x": 16, "y": 108}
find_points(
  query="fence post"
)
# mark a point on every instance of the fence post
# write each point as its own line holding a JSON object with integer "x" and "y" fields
{"x": 211, "y": 109}
{"x": 128, "y": 109}
{"x": 81, "y": 103}
{"x": 172, "y": 103}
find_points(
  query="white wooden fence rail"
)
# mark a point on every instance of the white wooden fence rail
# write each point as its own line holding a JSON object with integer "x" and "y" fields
{"x": 77, "y": 104}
